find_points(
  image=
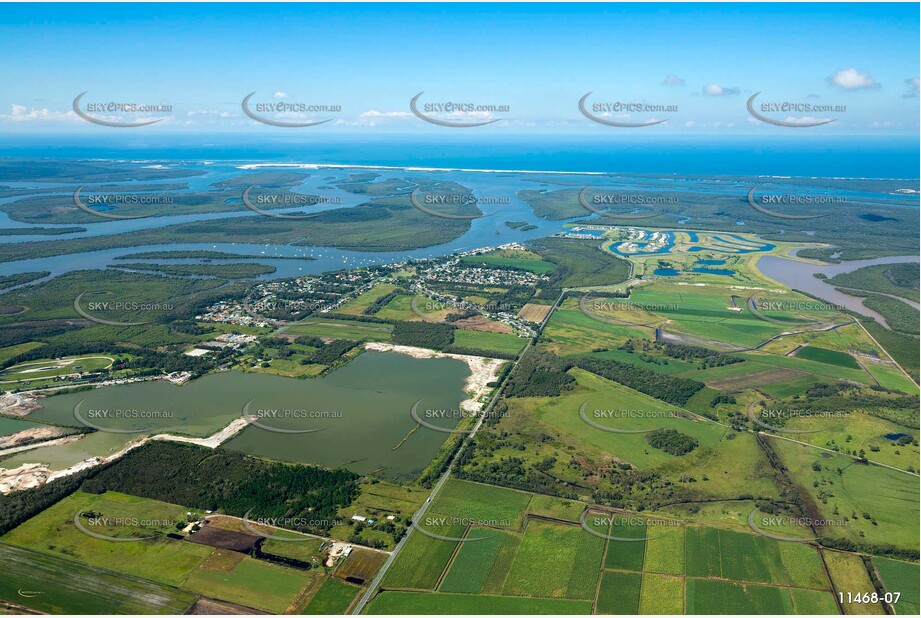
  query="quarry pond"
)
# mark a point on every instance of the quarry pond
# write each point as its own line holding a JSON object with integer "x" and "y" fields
{"x": 357, "y": 417}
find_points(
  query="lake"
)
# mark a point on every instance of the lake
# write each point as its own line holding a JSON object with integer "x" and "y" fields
{"x": 799, "y": 276}
{"x": 359, "y": 414}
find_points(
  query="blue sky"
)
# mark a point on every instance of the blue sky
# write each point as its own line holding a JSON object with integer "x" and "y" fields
{"x": 702, "y": 61}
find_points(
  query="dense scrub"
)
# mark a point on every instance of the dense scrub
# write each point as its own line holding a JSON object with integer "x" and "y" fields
{"x": 670, "y": 389}
{"x": 307, "y": 497}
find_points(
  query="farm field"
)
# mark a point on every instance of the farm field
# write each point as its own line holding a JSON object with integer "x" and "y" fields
{"x": 152, "y": 556}
{"x": 439, "y": 603}
{"x": 341, "y": 329}
{"x": 252, "y": 583}
{"x": 898, "y": 576}
{"x": 55, "y": 584}
{"x": 333, "y": 597}
{"x": 848, "y": 574}
{"x": 887, "y": 497}
{"x": 503, "y": 343}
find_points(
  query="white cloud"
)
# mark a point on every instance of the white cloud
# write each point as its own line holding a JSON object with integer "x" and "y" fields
{"x": 851, "y": 79}
{"x": 373, "y": 113}
{"x": 21, "y": 113}
{"x": 281, "y": 95}
{"x": 674, "y": 80}
{"x": 715, "y": 90}
{"x": 912, "y": 83}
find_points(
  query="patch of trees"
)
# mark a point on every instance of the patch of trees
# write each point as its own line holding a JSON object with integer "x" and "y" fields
{"x": 423, "y": 335}
{"x": 14, "y": 334}
{"x": 671, "y": 441}
{"x": 455, "y": 349}
{"x": 308, "y": 496}
{"x": 18, "y": 506}
{"x": 330, "y": 352}
{"x": 721, "y": 399}
{"x": 539, "y": 373}
{"x": 381, "y": 302}
{"x": 670, "y": 389}
{"x": 704, "y": 357}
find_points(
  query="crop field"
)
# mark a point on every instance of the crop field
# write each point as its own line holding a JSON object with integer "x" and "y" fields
{"x": 665, "y": 551}
{"x": 489, "y": 342}
{"x": 474, "y": 561}
{"x": 440, "y": 604}
{"x": 903, "y": 577}
{"x": 829, "y": 357}
{"x": 661, "y": 594}
{"x": 533, "y": 312}
{"x": 252, "y": 583}
{"x": 153, "y": 556}
{"x": 487, "y": 504}
{"x": 619, "y": 593}
{"x": 423, "y": 559}
{"x": 333, "y": 598}
{"x": 361, "y": 565}
{"x": 342, "y": 329}
{"x": 707, "y": 596}
{"x": 53, "y": 584}
{"x": 814, "y": 602}
{"x": 848, "y": 574}
{"x": 555, "y": 560}
{"x": 626, "y": 555}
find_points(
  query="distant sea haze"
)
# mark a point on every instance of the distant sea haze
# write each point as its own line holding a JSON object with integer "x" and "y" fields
{"x": 836, "y": 157}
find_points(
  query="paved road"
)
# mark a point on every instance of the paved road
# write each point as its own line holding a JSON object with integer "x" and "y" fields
{"x": 418, "y": 515}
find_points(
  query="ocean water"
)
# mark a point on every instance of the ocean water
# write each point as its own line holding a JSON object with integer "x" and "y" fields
{"x": 782, "y": 155}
